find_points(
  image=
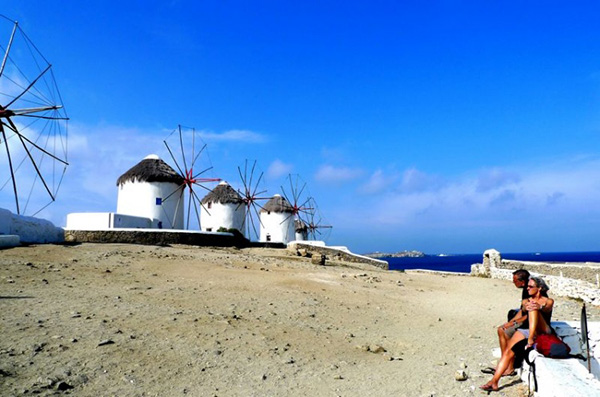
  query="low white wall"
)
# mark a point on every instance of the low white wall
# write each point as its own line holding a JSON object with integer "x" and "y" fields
{"x": 106, "y": 221}
{"x": 29, "y": 229}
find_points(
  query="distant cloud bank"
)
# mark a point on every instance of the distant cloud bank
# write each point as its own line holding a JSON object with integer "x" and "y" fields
{"x": 246, "y": 136}
{"x": 337, "y": 175}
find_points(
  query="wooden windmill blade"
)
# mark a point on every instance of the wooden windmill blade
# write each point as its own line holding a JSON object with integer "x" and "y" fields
{"x": 190, "y": 156}
{"x": 252, "y": 192}
{"x": 33, "y": 124}
{"x": 296, "y": 194}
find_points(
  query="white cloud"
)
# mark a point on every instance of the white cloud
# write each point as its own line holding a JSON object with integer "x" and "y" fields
{"x": 278, "y": 168}
{"x": 414, "y": 180}
{"x": 561, "y": 192}
{"x": 495, "y": 178}
{"x": 378, "y": 182}
{"x": 331, "y": 174}
{"x": 245, "y": 136}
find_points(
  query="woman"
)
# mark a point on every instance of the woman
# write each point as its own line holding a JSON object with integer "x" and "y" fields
{"x": 539, "y": 310}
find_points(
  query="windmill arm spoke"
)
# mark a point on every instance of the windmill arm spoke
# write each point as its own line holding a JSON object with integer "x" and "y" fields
{"x": 301, "y": 190}
{"x": 173, "y": 158}
{"x": 24, "y": 111}
{"x": 12, "y": 36}
{"x": 197, "y": 154}
{"x": 21, "y": 137}
{"x": 241, "y": 176}
{"x": 28, "y": 87}
{"x": 202, "y": 172}
{"x": 45, "y": 117}
{"x": 37, "y": 170}
{"x": 253, "y": 225}
{"x": 196, "y": 200}
{"x": 10, "y": 166}
{"x": 257, "y": 184}
{"x": 9, "y": 126}
{"x": 179, "y": 189}
{"x": 182, "y": 151}
{"x": 252, "y": 172}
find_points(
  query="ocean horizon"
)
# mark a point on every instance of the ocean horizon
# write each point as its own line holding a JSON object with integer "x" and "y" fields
{"x": 461, "y": 263}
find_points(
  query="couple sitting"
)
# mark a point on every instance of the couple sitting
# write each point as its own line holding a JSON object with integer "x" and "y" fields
{"x": 531, "y": 320}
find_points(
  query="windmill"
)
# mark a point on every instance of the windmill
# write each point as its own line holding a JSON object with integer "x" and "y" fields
{"x": 251, "y": 193}
{"x": 33, "y": 124}
{"x": 188, "y": 153}
{"x": 309, "y": 222}
{"x": 317, "y": 227}
{"x": 296, "y": 193}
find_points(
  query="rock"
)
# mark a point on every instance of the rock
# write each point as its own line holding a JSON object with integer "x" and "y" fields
{"x": 38, "y": 347}
{"x": 62, "y": 386}
{"x": 106, "y": 342}
{"x": 460, "y": 375}
{"x": 318, "y": 259}
{"x": 376, "y": 349}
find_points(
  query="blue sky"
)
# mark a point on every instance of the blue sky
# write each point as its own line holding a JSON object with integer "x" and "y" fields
{"x": 442, "y": 126}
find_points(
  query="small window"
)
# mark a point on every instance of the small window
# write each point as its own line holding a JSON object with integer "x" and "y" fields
{"x": 158, "y": 201}
{"x": 209, "y": 205}
{"x": 268, "y": 237}
{"x": 209, "y": 229}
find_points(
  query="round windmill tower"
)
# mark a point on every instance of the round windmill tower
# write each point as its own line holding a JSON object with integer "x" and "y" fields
{"x": 301, "y": 229}
{"x": 277, "y": 221}
{"x": 222, "y": 207}
{"x": 150, "y": 190}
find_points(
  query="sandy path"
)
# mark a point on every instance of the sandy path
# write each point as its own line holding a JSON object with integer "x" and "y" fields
{"x": 201, "y": 322}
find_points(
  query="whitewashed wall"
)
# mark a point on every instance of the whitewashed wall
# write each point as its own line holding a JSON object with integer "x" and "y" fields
{"x": 228, "y": 215}
{"x": 139, "y": 199}
{"x": 106, "y": 220}
{"x": 29, "y": 229}
{"x": 279, "y": 226}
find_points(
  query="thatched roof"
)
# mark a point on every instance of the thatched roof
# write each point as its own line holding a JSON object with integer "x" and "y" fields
{"x": 277, "y": 204}
{"x": 300, "y": 226}
{"x": 223, "y": 193}
{"x": 150, "y": 169}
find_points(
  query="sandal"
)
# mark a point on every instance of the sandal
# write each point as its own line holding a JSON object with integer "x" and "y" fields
{"x": 489, "y": 370}
{"x": 488, "y": 387}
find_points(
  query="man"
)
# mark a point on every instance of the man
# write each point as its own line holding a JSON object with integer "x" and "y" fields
{"x": 520, "y": 280}
{"x": 516, "y": 320}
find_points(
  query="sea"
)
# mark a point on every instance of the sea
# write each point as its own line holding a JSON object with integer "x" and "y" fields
{"x": 462, "y": 262}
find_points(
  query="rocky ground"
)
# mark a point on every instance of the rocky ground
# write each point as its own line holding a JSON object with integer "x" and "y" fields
{"x": 129, "y": 320}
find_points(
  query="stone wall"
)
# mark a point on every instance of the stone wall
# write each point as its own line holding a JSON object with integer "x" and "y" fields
{"x": 575, "y": 280}
{"x": 154, "y": 237}
{"x": 336, "y": 254}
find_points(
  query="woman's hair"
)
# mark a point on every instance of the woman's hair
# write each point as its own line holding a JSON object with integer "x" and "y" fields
{"x": 541, "y": 284}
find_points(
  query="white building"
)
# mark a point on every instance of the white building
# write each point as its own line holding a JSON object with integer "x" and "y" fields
{"x": 301, "y": 229}
{"x": 152, "y": 189}
{"x": 222, "y": 207}
{"x": 277, "y": 221}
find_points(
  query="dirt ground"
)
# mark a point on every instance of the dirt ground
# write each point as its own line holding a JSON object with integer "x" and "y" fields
{"x": 130, "y": 320}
